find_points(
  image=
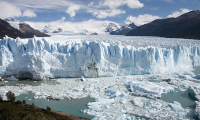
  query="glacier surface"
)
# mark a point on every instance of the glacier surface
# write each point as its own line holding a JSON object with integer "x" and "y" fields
{"x": 95, "y": 56}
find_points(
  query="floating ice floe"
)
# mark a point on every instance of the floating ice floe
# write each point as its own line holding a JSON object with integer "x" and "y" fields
{"x": 197, "y": 111}
{"x": 176, "y": 106}
{"x": 137, "y": 102}
{"x": 12, "y": 78}
{"x": 149, "y": 87}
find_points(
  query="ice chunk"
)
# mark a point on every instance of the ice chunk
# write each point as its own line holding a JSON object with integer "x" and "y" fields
{"x": 121, "y": 117}
{"x": 148, "y": 87}
{"x": 82, "y": 78}
{"x": 137, "y": 102}
{"x": 78, "y": 88}
{"x": 101, "y": 101}
{"x": 154, "y": 104}
{"x": 123, "y": 101}
{"x": 12, "y": 78}
{"x": 197, "y": 111}
{"x": 114, "y": 93}
{"x": 176, "y": 106}
{"x": 198, "y": 76}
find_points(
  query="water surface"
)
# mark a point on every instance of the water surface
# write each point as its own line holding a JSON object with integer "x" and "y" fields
{"x": 70, "y": 107}
{"x": 196, "y": 70}
{"x": 180, "y": 96}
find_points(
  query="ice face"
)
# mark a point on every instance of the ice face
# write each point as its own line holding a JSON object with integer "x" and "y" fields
{"x": 61, "y": 56}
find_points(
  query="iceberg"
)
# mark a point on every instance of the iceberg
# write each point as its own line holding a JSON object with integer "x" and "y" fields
{"x": 149, "y": 88}
{"x": 61, "y": 56}
{"x": 176, "y": 106}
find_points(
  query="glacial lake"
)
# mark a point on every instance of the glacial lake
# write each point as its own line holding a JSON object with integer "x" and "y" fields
{"x": 70, "y": 107}
{"x": 180, "y": 96}
{"x": 196, "y": 70}
{"x": 75, "y": 107}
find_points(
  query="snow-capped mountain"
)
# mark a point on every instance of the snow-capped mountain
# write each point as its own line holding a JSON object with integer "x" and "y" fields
{"x": 51, "y": 29}
{"x": 112, "y": 27}
{"x": 124, "y": 29}
{"x": 14, "y": 23}
{"x": 14, "y": 28}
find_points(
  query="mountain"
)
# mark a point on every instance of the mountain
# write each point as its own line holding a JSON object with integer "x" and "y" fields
{"x": 51, "y": 29}
{"x": 14, "y": 28}
{"x": 124, "y": 29}
{"x": 184, "y": 26}
{"x": 112, "y": 27}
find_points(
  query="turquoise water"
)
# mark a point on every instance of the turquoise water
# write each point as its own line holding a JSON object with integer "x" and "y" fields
{"x": 196, "y": 70}
{"x": 70, "y": 107}
{"x": 180, "y": 96}
{"x": 29, "y": 82}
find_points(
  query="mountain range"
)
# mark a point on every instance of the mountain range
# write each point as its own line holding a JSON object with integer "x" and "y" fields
{"x": 124, "y": 29}
{"x": 184, "y": 26}
{"x": 13, "y": 28}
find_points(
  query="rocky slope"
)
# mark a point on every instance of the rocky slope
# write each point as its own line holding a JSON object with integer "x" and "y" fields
{"x": 184, "y": 26}
{"x": 23, "y": 30}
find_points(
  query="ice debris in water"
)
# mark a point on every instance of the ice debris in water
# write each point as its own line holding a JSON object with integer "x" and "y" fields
{"x": 113, "y": 97}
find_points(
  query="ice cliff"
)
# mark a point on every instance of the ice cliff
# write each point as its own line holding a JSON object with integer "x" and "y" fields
{"x": 41, "y": 58}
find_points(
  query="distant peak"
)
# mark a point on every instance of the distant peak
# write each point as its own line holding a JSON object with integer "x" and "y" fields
{"x": 127, "y": 22}
{"x": 11, "y": 20}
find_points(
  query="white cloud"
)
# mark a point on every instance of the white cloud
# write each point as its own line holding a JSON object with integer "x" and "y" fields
{"x": 113, "y": 4}
{"x": 8, "y": 10}
{"x": 177, "y": 13}
{"x": 107, "y": 13}
{"x": 169, "y": 1}
{"x": 72, "y": 10}
{"x": 90, "y": 25}
{"x": 142, "y": 19}
{"x": 90, "y": 4}
{"x": 61, "y": 20}
{"x": 29, "y": 13}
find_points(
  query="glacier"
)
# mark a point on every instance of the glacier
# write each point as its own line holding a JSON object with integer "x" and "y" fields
{"x": 96, "y": 56}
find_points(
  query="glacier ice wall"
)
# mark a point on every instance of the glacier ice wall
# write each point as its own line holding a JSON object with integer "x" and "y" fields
{"x": 41, "y": 58}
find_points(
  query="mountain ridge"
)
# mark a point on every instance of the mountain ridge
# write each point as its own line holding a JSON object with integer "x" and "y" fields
{"x": 24, "y": 31}
{"x": 180, "y": 27}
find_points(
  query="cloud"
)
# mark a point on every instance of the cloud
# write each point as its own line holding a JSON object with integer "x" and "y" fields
{"x": 89, "y": 25}
{"x": 113, "y": 4}
{"x": 177, "y": 13}
{"x": 61, "y": 20}
{"x": 72, "y": 10}
{"x": 142, "y": 19}
{"x": 29, "y": 13}
{"x": 171, "y": 1}
{"x": 107, "y": 13}
{"x": 103, "y": 12}
{"x": 8, "y": 10}
{"x": 91, "y": 4}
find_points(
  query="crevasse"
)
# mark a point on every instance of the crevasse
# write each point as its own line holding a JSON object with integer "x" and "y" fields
{"x": 40, "y": 59}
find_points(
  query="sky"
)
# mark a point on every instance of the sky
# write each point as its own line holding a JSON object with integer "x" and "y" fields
{"x": 94, "y": 11}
